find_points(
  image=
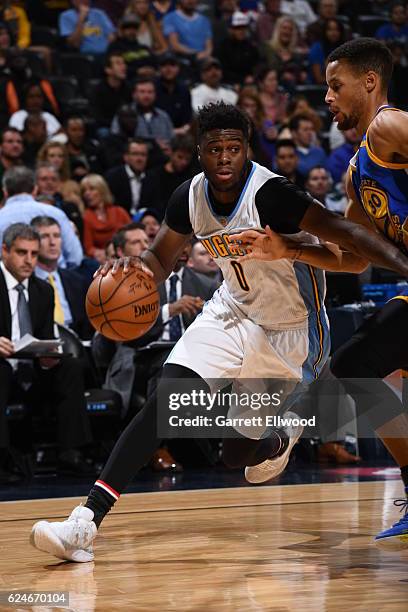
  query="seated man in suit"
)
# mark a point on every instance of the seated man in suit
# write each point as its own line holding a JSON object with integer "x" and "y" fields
{"x": 127, "y": 181}
{"x": 69, "y": 287}
{"x": 27, "y": 307}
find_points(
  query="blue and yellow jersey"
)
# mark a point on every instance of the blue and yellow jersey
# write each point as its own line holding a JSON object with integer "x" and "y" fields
{"x": 382, "y": 188}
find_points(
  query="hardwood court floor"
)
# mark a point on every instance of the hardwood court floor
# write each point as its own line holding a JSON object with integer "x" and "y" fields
{"x": 276, "y": 548}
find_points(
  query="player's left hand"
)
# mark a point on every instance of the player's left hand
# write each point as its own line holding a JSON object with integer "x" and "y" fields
{"x": 125, "y": 263}
{"x": 267, "y": 246}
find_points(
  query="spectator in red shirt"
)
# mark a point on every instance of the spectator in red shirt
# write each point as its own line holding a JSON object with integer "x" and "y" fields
{"x": 101, "y": 218}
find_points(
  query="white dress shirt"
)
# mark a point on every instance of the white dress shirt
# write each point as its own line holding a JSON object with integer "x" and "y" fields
{"x": 165, "y": 308}
{"x": 135, "y": 187}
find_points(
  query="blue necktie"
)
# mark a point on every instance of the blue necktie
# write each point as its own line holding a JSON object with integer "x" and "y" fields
{"x": 175, "y": 323}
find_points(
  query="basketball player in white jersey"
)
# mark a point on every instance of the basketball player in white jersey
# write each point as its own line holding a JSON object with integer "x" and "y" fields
{"x": 266, "y": 321}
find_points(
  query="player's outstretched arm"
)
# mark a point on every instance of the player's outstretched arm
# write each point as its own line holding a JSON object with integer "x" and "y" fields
{"x": 270, "y": 246}
{"x": 326, "y": 255}
{"x": 353, "y": 238}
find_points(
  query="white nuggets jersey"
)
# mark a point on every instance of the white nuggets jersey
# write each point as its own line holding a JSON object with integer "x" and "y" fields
{"x": 276, "y": 295}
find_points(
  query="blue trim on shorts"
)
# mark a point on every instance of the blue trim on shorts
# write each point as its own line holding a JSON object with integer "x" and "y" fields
{"x": 311, "y": 371}
{"x": 311, "y": 283}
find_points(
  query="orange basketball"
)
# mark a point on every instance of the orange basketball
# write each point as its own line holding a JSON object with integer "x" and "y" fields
{"x": 123, "y": 306}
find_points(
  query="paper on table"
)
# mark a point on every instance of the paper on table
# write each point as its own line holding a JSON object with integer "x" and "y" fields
{"x": 29, "y": 344}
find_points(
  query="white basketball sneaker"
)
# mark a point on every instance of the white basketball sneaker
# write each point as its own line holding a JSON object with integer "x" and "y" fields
{"x": 271, "y": 468}
{"x": 71, "y": 540}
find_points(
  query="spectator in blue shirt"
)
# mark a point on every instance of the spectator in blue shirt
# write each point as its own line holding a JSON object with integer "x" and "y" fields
{"x": 303, "y": 135}
{"x": 21, "y": 207}
{"x": 188, "y": 32}
{"x": 339, "y": 158}
{"x": 333, "y": 36}
{"x": 398, "y": 28}
{"x": 86, "y": 29}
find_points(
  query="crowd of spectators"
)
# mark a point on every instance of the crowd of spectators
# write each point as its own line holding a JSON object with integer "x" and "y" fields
{"x": 97, "y": 107}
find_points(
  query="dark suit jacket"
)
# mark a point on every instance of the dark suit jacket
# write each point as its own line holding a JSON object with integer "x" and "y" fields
{"x": 41, "y": 304}
{"x": 119, "y": 184}
{"x": 75, "y": 288}
{"x": 195, "y": 284}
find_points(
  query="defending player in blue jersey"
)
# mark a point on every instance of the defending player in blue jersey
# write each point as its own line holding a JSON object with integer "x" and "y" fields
{"x": 358, "y": 74}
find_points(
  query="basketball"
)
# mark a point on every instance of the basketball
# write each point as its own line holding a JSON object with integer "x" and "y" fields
{"x": 123, "y": 306}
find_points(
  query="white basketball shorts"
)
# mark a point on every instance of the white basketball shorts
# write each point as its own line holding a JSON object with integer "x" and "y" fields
{"x": 222, "y": 344}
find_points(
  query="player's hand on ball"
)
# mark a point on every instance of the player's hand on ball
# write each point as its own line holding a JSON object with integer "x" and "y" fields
{"x": 123, "y": 306}
{"x": 267, "y": 246}
{"x": 114, "y": 265}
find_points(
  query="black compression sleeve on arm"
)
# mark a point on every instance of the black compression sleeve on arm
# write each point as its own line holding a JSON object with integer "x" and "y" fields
{"x": 282, "y": 205}
{"x": 177, "y": 212}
